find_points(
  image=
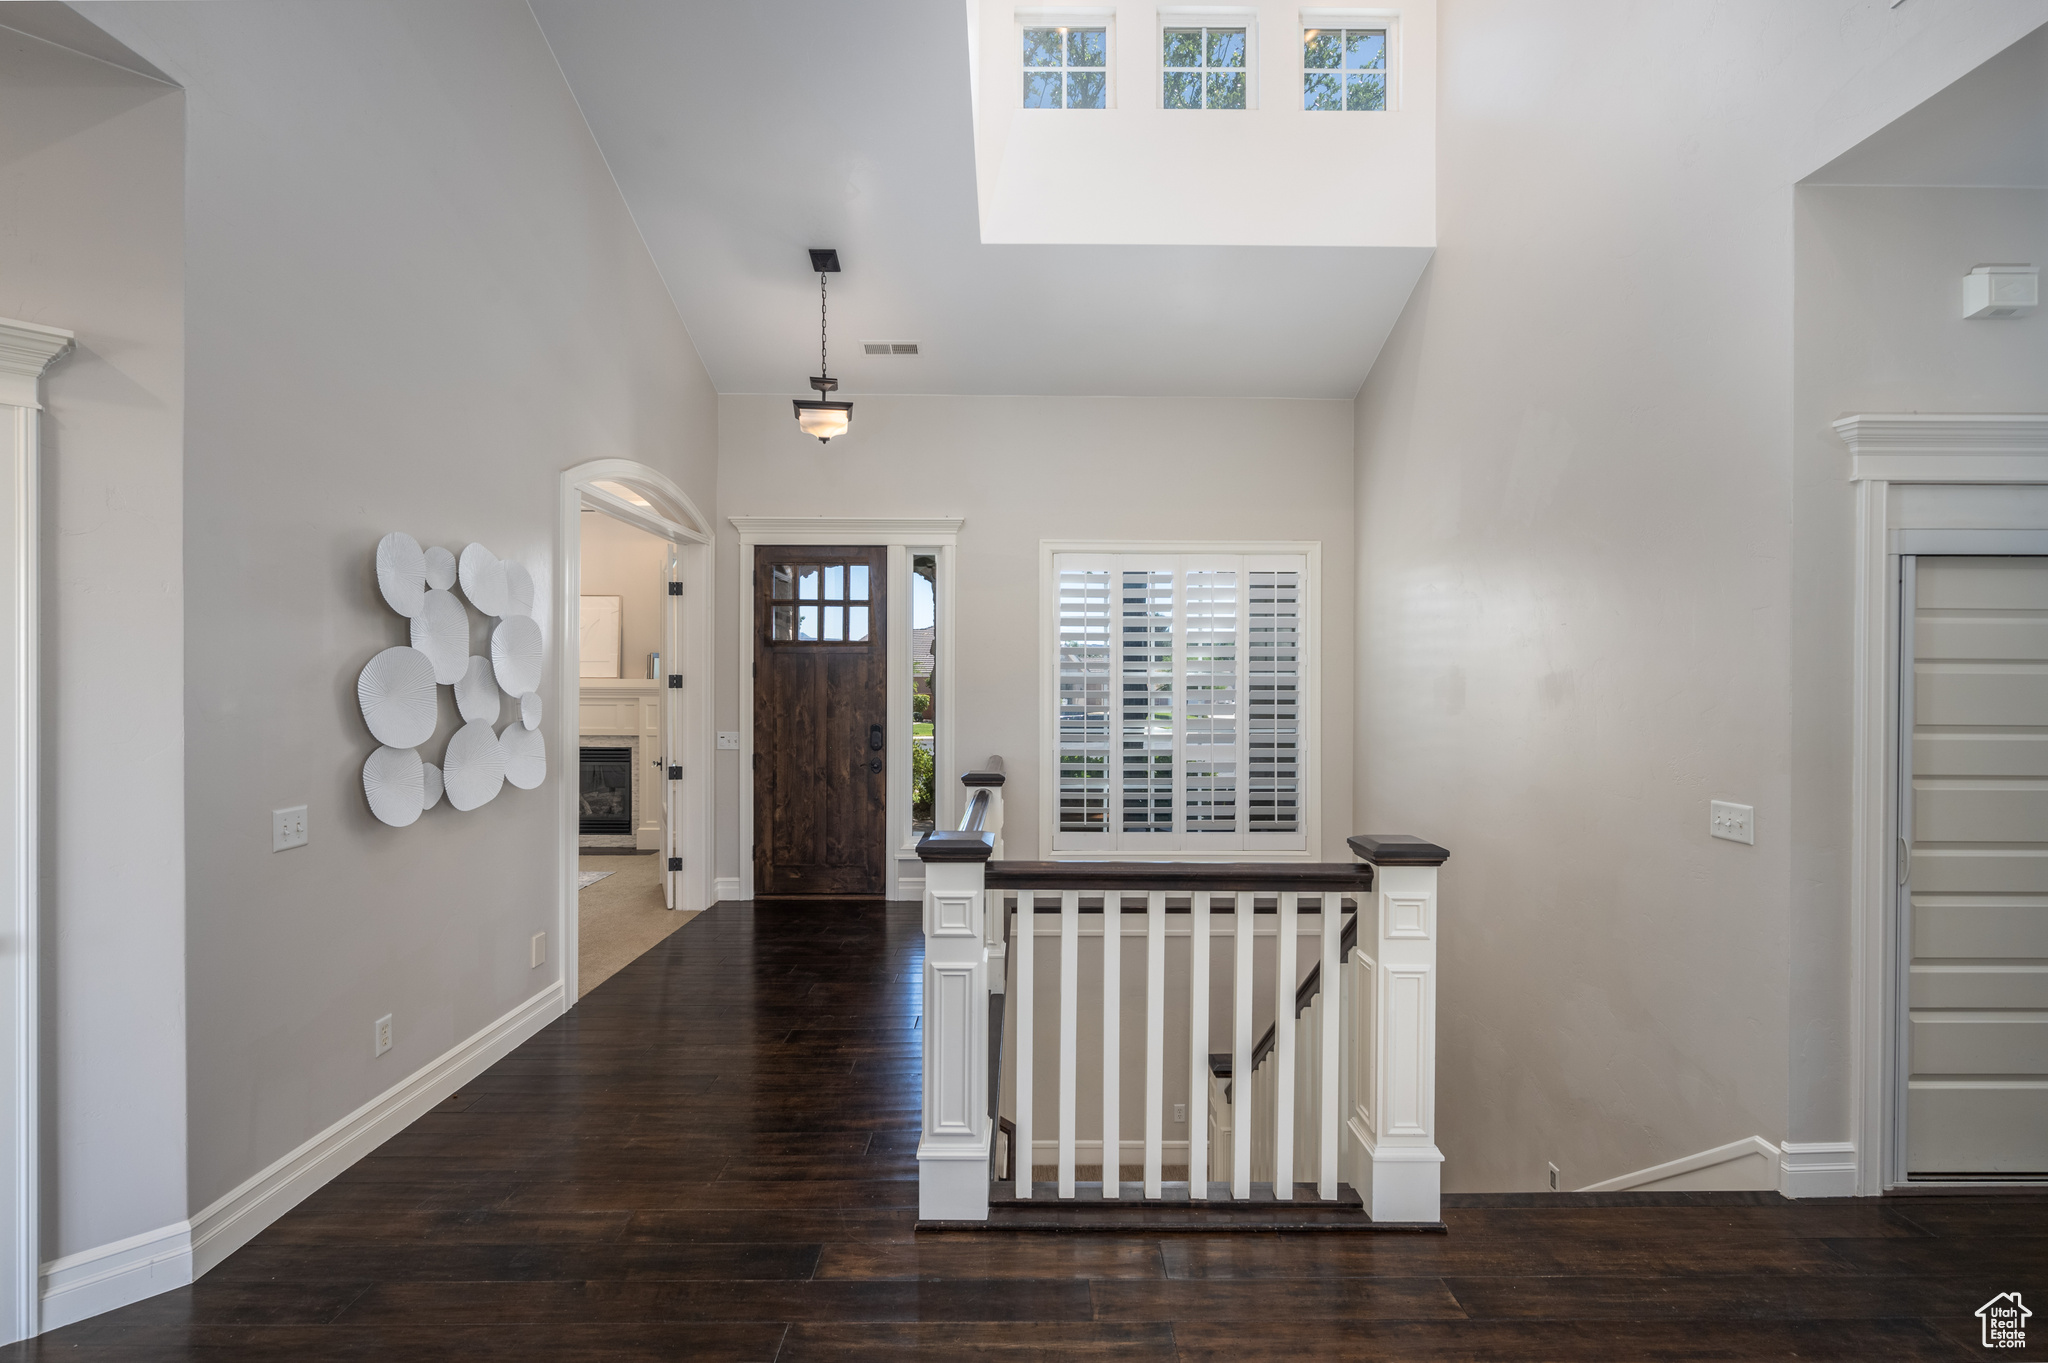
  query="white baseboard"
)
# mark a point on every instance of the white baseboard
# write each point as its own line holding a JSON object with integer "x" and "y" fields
{"x": 1817, "y": 1169}
{"x": 1749, "y": 1165}
{"x": 235, "y": 1219}
{"x": 105, "y": 1277}
{"x": 725, "y": 887}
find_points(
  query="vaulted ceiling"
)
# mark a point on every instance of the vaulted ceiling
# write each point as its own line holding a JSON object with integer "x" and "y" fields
{"x": 741, "y": 134}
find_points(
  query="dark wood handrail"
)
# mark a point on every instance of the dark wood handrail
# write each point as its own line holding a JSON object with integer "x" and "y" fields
{"x": 1220, "y": 1061}
{"x": 977, "y": 813}
{"x": 1223, "y": 877}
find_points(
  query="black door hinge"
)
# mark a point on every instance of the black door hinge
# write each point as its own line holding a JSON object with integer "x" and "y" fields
{"x": 675, "y": 863}
{"x": 675, "y": 773}
{"x": 675, "y": 589}
{"x": 675, "y": 681}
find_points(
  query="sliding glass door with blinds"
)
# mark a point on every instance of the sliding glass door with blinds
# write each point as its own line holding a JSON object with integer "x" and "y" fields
{"x": 1179, "y": 703}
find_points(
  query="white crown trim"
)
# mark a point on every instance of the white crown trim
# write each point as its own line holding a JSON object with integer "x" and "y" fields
{"x": 26, "y": 350}
{"x": 1946, "y": 447}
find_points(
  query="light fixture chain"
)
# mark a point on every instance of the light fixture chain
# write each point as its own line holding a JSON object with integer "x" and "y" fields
{"x": 824, "y": 371}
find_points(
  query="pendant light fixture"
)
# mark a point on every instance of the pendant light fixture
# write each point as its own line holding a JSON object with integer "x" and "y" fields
{"x": 820, "y": 417}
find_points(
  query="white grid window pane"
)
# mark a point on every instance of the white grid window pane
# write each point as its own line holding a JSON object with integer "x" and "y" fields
{"x": 1084, "y": 702}
{"x": 1274, "y": 711}
{"x": 1211, "y": 703}
{"x": 1145, "y": 640}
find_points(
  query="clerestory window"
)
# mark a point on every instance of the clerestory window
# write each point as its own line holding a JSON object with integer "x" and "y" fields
{"x": 1180, "y": 702}
{"x": 1205, "y": 68}
{"x": 1066, "y": 68}
{"x": 1344, "y": 69}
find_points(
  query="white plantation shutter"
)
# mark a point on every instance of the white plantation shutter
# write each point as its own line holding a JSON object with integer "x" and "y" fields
{"x": 1179, "y": 702}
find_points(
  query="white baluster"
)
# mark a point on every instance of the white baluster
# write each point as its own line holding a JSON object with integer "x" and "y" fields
{"x": 1328, "y": 1019}
{"x": 1283, "y": 1048}
{"x": 1198, "y": 1047}
{"x": 1027, "y": 959}
{"x": 1155, "y": 1040}
{"x": 1112, "y": 1041}
{"x": 1070, "y": 1038}
{"x": 1241, "y": 1053}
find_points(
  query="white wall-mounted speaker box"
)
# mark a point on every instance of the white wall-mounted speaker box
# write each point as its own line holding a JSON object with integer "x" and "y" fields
{"x": 2001, "y": 291}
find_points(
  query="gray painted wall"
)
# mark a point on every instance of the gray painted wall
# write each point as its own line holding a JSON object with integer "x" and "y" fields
{"x": 90, "y": 239}
{"x": 1023, "y": 469}
{"x": 1879, "y": 328}
{"x": 413, "y": 297}
{"x": 1575, "y": 503}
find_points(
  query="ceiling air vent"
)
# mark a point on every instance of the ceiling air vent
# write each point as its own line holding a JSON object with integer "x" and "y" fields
{"x": 889, "y": 347}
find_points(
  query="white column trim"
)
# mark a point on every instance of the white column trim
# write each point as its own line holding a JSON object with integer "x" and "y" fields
{"x": 1887, "y": 449}
{"x": 27, "y": 349}
{"x": 941, "y": 533}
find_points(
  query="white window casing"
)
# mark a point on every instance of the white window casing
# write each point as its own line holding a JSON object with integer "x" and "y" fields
{"x": 1180, "y": 701}
{"x": 1207, "y": 17}
{"x": 1387, "y": 20}
{"x": 1066, "y": 18}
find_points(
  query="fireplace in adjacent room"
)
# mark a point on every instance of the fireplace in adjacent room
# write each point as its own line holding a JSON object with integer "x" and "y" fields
{"x": 606, "y": 796}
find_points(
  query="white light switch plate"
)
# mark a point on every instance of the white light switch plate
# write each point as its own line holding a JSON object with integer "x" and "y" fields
{"x": 287, "y": 828}
{"x": 1736, "y": 823}
{"x": 729, "y": 742}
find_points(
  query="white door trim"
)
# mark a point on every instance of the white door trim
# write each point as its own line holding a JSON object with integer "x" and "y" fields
{"x": 1886, "y": 452}
{"x": 666, "y": 511}
{"x": 899, "y": 535}
{"x": 26, "y": 350}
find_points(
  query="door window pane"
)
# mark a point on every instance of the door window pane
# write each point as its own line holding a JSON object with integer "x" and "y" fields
{"x": 857, "y": 624}
{"x": 785, "y": 623}
{"x": 807, "y": 624}
{"x": 782, "y": 582}
{"x": 807, "y": 583}
{"x": 835, "y": 582}
{"x": 857, "y": 582}
{"x": 835, "y": 623}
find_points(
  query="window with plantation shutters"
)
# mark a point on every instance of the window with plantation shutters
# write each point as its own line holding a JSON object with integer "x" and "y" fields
{"x": 1178, "y": 713}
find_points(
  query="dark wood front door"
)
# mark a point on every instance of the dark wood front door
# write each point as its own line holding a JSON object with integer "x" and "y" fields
{"x": 821, "y": 691}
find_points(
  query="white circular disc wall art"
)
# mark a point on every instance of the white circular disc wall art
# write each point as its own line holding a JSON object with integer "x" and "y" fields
{"x": 440, "y": 568}
{"x": 441, "y": 631}
{"x": 476, "y": 695}
{"x": 432, "y": 775}
{"x": 526, "y": 756}
{"x": 529, "y": 709}
{"x": 396, "y": 691}
{"x": 395, "y": 783}
{"x": 516, "y": 653}
{"x": 401, "y": 572}
{"x": 518, "y": 589}
{"x": 483, "y": 579}
{"x": 473, "y": 768}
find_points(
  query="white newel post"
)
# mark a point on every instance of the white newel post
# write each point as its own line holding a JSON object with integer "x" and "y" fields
{"x": 953, "y": 1149}
{"x": 1397, "y": 1166}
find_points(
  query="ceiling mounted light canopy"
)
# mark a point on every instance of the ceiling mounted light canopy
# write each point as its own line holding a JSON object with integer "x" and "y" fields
{"x": 819, "y": 417}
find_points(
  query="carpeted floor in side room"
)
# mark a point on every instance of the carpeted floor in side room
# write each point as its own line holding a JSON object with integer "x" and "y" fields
{"x": 620, "y": 916}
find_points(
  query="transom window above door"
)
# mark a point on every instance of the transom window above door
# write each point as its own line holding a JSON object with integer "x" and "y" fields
{"x": 818, "y": 603}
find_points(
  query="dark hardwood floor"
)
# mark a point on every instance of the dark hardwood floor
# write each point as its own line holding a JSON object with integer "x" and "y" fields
{"x": 711, "y": 1157}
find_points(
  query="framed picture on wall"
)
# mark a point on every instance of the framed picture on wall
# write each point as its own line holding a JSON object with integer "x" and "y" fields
{"x": 603, "y": 640}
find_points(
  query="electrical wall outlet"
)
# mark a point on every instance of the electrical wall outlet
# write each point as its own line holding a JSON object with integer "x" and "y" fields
{"x": 1736, "y": 823}
{"x": 540, "y": 948}
{"x": 287, "y": 828}
{"x": 1180, "y": 1112}
{"x": 728, "y": 742}
{"x": 1553, "y": 1178}
{"x": 383, "y": 1034}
